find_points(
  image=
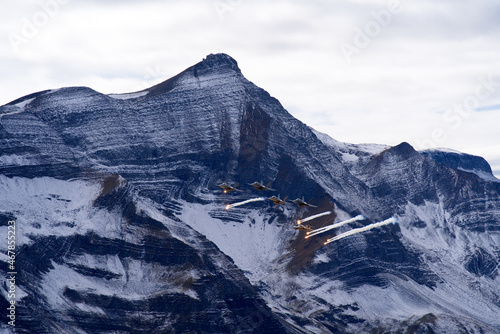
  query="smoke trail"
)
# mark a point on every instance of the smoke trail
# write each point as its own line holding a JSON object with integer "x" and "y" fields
{"x": 229, "y": 206}
{"x": 300, "y": 221}
{"x": 391, "y": 220}
{"x": 329, "y": 227}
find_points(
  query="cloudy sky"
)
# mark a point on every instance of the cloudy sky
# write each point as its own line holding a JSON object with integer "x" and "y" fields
{"x": 381, "y": 71}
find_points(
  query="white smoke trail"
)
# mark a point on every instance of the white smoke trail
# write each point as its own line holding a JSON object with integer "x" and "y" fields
{"x": 300, "y": 221}
{"x": 229, "y": 206}
{"x": 329, "y": 227}
{"x": 391, "y": 220}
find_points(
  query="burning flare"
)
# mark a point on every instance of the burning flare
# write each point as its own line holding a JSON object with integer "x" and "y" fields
{"x": 300, "y": 221}
{"x": 391, "y": 220}
{"x": 229, "y": 206}
{"x": 329, "y": 227}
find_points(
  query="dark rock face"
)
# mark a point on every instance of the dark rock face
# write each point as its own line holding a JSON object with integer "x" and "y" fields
{"x": 122, "y": 227}
{"x": 457, "y": 160}
{"x": 482, "y": 263}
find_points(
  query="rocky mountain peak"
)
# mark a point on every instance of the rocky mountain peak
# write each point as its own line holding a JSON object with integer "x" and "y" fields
{"x": 217, "y": 62}
{"x": 404, "y": 149}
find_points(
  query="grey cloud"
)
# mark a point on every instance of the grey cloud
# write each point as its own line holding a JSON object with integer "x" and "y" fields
{"x": 455, "y": 20}
{"x": 422, "y": 62}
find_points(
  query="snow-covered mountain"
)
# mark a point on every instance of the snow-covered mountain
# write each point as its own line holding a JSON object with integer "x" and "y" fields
{"x": 121, "y": 227}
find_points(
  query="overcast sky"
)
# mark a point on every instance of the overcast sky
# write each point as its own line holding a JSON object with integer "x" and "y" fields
{"x": 377, "y": 71}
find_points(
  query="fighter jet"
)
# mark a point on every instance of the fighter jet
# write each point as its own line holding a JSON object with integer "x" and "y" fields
{"x": 302, "y": 227}
{"x": 277, "y": 200}
{"x": 300, "y": 203}
{"x": 228, "y": 188}
{"x": 260, "y": 186}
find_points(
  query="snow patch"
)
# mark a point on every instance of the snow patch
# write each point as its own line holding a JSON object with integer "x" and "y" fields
{"x": 253, "y": 244}
{"x": 47, "y": 206}
{"x": 17, "y": 160}
{"x": 16, "y": 111}
{"x": 482, "y": 174}
{"x": 128, "y": 96}
{"x": 24, "y": 103}
{"x": 321, "y": 258}
{"x": 350, "y": 153}
{"x": 442, "y": 149}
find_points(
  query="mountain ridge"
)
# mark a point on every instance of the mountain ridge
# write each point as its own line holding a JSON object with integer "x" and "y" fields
{"x": 96, "y": 180}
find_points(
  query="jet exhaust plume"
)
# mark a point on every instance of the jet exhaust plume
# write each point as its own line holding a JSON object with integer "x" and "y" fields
{"x": 391, "y": 220}
{"x": 229, "y": 206}
{"x": 332, "y": 226}
{"x": 300, "y": 221}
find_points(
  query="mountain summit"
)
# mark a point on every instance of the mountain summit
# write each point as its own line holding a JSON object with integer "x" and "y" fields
{"x": 216, "y": 62}
{"x": 121, "y": 226}
{"x": 214, "y": 66}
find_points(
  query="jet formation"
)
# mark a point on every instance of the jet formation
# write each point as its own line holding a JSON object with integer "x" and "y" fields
{"x": 261, "y": 187}
{"x": 300, "y": 202}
